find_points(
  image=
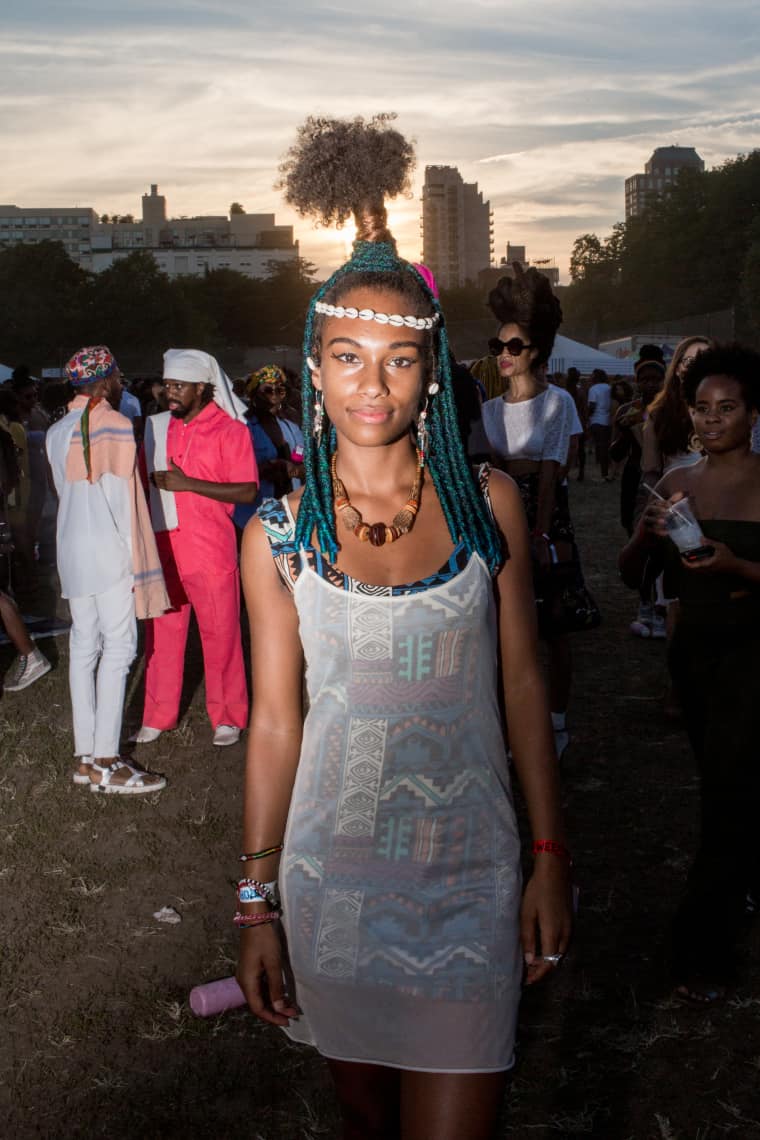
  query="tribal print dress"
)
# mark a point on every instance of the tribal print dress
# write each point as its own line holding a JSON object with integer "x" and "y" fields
{"x": 400, "y": 877}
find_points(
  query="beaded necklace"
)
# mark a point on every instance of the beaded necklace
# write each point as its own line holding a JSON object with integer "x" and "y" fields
{"x": 377, "y": 534}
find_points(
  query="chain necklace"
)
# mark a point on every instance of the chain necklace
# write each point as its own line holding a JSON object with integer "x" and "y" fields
{"x": 377, "y": 534}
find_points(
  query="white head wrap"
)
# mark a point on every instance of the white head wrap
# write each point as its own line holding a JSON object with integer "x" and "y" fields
{"x": 196, "y": 367}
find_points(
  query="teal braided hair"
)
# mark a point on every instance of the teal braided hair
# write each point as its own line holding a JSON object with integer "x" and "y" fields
{"x": 336, "y": 169}
{"x": 467, "y": 514}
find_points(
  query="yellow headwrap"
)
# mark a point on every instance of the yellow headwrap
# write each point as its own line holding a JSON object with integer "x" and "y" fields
{"x": 269, "y": 374}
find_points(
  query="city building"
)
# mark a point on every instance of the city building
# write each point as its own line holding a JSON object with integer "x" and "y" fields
{"x": 71, "y": 225}
{"x": 244, "y": 242}
{"x": 659, "y": 173}
{"x": 516, "y": 253}
{"x": 457, "y": 227}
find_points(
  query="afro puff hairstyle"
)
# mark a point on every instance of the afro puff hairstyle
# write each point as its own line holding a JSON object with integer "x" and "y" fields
{"x": 338, "y": 168}
{"x": 526, "y": 299}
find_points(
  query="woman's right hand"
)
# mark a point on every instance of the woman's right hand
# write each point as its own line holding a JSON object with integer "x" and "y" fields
{"x": 260, "y": 974}
{"x": 656, "y": 512}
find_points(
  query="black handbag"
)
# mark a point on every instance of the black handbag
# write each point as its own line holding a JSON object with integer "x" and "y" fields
{"x": 565, "y": 604}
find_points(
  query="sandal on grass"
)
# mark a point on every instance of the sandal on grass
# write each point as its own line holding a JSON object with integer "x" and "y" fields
{"x": 699, "y": 993}
{"x": 82, "y": 777}
{"x": 136, "y": 783}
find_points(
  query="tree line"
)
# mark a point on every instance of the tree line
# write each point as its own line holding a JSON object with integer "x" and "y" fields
{"x": 50, "y": 306}
{"x": 695, "y": 249}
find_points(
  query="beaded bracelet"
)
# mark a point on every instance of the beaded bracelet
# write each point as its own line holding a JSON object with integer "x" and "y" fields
{"x": 242, "y": 921}
{"x": 552, "y": 847}
{"x": 247, "y": 894}
{"x": 245, "y": 858}
{"x": 252, "y": 890}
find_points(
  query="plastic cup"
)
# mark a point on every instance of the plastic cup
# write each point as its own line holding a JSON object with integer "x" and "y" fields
{"x": 216, "y": 997}
{"x": 682, "y": 526}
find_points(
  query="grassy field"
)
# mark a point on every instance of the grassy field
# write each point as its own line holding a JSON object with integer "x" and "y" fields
{"x": 98, "y": 1039}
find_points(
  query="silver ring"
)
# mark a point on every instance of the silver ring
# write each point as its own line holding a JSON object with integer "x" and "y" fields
{"x": 555, "y": 959}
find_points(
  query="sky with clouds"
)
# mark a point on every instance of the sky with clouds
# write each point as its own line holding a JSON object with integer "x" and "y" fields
{"x": 547, "y": 104}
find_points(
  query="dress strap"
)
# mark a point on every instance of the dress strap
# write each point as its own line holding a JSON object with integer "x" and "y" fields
{"x": 279, "y": 527}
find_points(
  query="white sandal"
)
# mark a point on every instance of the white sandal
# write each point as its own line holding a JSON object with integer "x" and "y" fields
{"x": 80, "y": 777}
{"x": 135, "y": 785}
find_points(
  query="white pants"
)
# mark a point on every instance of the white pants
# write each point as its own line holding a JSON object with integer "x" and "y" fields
{"x": 103, "y": 639}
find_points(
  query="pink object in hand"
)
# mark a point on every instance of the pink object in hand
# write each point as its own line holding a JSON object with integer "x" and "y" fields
{"x": 216, "y": 997}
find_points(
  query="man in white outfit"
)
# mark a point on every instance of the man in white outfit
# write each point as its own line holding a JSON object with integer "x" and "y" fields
{"x": 600, "y": 419}
{"x": 92, "y": 457}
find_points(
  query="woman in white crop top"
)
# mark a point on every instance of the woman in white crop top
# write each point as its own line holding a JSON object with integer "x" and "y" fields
{"x": 530, "y": 430}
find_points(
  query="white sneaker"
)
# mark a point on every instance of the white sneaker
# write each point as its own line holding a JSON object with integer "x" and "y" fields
{"x": 26, "y": 670}
{"x": 641, "y": 626}
{"x": 145, "y": 735}
{"x": 225, "y": 734}
{"x": 659, "y": 627}
{"x": 640, "y": 629}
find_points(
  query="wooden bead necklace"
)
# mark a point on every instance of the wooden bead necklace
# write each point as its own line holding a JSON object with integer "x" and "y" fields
{"x": 377, "y": 534}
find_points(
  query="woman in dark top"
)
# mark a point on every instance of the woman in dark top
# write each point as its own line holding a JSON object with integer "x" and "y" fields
{"x": 714, "y": 658}
{"x": 277, "y": 441}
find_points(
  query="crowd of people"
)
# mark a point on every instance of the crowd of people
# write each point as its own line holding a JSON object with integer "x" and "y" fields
{"x": 403, "y": 536}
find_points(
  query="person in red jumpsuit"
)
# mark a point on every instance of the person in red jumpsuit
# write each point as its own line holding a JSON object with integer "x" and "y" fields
{"x": 200, "y": 460}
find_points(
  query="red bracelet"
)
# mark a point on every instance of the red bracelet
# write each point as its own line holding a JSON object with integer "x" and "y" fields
{"x": 243, "y": 921}
{"x": 551, "y": 847}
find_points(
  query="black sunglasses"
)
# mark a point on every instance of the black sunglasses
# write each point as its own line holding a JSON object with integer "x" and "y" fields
{"x": 514, "y": 346}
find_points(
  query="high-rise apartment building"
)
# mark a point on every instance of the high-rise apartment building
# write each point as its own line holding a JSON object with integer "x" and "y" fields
{"x": 70, "y": 225}
{"x": 179, "y": 246}
{"x": 456, "y": 227}
{"x": 659, "y": 173}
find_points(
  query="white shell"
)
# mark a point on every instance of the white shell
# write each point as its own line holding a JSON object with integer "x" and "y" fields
{"x": 434, "y": 387}
{"x": 366, "y": 314}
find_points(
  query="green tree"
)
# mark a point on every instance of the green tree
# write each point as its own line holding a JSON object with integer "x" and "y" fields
{"x": 283, "y": 300}
{"x": 586, "y": 254}
{"x": 236, "y": 208}
{"x": 692, "y": 250}
{"x": 137, "y": 311}
{"x": 43, "y": 296}
{"x": 750, "y": 291}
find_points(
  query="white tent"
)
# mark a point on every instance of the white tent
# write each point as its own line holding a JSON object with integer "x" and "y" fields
{"x": 572, "y": 354}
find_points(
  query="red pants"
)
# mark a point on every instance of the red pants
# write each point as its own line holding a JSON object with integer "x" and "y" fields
{"x": 216, "y": 601}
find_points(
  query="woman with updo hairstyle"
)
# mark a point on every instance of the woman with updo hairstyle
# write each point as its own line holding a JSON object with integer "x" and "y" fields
{"x": 381, "y": 914}
{"x": 530, "y": 430}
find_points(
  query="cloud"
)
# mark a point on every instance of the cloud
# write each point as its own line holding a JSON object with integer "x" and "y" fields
{"x": 548, "y": 107}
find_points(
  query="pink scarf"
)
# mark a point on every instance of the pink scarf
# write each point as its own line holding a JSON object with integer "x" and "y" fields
{"x": 105, "y": 443}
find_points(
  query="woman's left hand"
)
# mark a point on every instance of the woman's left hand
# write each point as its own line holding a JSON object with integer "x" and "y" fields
{"x": 723, "y": 561}
{"x": 546, "y": 919}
